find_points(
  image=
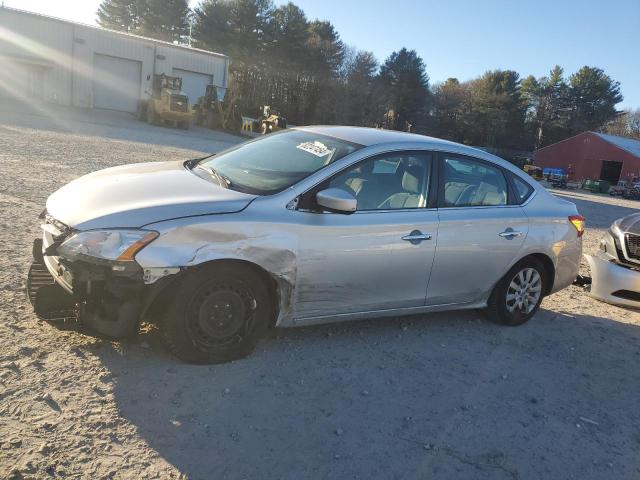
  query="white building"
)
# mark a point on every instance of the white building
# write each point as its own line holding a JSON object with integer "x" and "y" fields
{"x": 44, "y": 58}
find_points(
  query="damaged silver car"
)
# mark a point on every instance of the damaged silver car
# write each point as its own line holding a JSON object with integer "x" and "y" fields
{"x": 309, "y": 225}
{"x": 615, "y": 269}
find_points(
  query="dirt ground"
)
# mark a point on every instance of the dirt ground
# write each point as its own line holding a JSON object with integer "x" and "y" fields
{"x": 446, "y": 395}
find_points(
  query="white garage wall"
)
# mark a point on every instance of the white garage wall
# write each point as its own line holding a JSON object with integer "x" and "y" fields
{"x": 34, "y": 39}
{"x": 67, "y": 50}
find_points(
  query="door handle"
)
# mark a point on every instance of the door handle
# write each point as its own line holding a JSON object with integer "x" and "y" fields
{"x": 416, "y": 236}
{"x": 510, "y": 234}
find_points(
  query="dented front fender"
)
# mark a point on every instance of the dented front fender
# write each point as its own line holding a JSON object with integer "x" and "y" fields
{"x": 185, "y": 243}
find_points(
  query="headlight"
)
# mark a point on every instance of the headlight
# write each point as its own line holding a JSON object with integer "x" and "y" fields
{"x": 120, "y": 245}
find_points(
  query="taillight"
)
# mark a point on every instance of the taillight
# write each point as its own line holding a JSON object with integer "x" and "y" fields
{"x": 578, "y": 222}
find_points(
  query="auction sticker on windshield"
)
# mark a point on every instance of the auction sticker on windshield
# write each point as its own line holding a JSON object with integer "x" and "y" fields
{"x": 316, "y": 148}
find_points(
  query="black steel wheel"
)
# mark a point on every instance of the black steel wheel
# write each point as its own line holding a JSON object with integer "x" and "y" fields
{"x": 219, "y": 314}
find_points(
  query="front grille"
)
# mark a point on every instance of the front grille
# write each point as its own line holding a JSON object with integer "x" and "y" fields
{"x": 632, "y": 243}
{"x": 179, "y": 103}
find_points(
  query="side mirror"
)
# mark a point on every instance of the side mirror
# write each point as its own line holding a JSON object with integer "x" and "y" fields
{"x": 337, "y": 200}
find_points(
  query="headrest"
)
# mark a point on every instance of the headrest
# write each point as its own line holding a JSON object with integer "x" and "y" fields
{"x": 411, "y": 179}
{"x": 493, "y": 198}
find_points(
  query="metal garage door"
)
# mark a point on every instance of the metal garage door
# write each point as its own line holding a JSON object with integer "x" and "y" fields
{"x": 116, "y": 83}
{"x": 193, "y": 83}
{"x": 22, "y": 81}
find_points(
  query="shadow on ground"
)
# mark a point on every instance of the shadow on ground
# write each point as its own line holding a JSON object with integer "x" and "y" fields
{"x": 446, "y": 395}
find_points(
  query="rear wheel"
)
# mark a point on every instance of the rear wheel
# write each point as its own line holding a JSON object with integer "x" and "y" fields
{"x": 517, "y": 297}
{"x": 219, "y": 314}
{"x": 152, "y": 117}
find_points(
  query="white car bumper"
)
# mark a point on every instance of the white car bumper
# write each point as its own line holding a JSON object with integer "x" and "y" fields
{"x": 613, "y": 283}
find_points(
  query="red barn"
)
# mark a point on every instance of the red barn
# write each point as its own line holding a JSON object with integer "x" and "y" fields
{"x": 593, "y": 155}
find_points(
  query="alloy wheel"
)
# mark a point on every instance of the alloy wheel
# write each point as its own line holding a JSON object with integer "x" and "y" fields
{"x": 524, "y": 291}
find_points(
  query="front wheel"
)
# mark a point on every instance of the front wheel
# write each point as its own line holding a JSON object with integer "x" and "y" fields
{"x": 517, "y": 296}
{"x": 218, "y": 315}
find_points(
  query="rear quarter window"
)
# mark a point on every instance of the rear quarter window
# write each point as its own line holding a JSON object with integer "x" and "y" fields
{"x": 522, "y": 189}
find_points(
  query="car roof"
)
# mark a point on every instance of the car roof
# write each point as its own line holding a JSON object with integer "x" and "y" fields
{"x": 375, "y": 136}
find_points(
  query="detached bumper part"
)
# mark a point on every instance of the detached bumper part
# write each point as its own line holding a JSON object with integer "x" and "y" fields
{"x": 110, "y": 303}
{"x": 50, "y": 301}
{"x": 613, "y": 283}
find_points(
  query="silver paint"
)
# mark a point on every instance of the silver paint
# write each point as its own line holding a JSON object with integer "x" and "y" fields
{"x": 330, "y": 266}
{"x": 609, "y": 273}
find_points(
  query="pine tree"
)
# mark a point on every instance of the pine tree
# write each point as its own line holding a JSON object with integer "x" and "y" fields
{"x": 233, "y": 27}
{"x": 547, "y": 105}
{"x": 405, "y": 85}
{"x": 497, "y": 110}
{"x": 122, "y": 15}
{"x": 326, "y": 50}
{"x": 360, "y": 77}
{"x": 166, "y": 20}
{"x": 287, "y": 35}
{"x": 450, "y": 110}
{"x": 594, "y": 96}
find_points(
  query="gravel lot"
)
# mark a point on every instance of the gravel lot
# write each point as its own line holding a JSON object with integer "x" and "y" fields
{"x": 436, "y": 396}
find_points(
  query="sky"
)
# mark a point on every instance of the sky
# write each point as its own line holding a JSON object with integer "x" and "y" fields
{"x": 465, "y": 38}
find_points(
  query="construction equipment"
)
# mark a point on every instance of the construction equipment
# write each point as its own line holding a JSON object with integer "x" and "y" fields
{"x": 269, "y": 120}
{"x": 213, "y": 112}
{"x": 534, "y": 171}
{"x": 167, "y": 103}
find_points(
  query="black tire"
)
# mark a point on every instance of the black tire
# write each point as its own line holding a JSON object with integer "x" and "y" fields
{"x": 142, "y": 111}
{"x": 497, "y": 309}
{"x": 152, "y": 117}
{"x": 218, "y": 315}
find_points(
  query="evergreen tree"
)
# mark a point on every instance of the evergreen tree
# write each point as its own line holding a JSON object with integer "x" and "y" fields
{"x": 287, "y": 36}
{"x": 234, "y": 27}
{"x": 497, "y": 110}
{"x": 594, "y": 96}
{"x": 405, "y": 85}
{"x": 451, "y": 109}
{"x": 358, "y": 88}
{"x": 166, "y": 20}
{"x": 122, "y": 15}
{"x": 325, "y": 49}
{"x": 548, "y": 106}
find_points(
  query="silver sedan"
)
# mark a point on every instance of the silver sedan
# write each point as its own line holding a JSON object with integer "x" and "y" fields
{"x": 306, "y": 226}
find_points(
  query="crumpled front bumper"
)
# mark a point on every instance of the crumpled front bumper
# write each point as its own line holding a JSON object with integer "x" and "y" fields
{"x": 110, "y": 302}
{"x": 612, "y": 282}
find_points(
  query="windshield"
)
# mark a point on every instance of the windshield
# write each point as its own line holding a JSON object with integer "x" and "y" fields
{"x": 276, "y": 161}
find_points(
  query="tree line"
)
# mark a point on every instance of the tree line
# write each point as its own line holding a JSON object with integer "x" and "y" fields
{"x": 302, "y": 67}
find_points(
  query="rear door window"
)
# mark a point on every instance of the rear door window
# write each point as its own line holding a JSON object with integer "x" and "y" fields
{"x": 471, "y": 183}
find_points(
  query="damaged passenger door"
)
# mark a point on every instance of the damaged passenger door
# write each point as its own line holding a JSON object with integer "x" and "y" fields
{"x": 380, "y": 256}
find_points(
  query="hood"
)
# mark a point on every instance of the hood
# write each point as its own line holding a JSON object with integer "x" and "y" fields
{"x": 630, "y": 224}
{"x": 135, "y": 195}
